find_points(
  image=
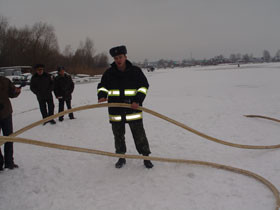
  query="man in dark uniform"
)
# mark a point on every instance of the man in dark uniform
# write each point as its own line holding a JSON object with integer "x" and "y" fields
{"x": 125, "y": 83}
{"x": 63, "y": 88}
{"x": 42, "y": 86}
{"x": 7, "y": 90}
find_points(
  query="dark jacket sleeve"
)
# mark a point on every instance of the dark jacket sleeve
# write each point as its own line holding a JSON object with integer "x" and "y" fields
{"x": 143, "y": 86}
{"x": 72, "y": 85}
{"x": 12, "y": 90}
{"x": 102, "y": 87}
{"x": 51, "y": 87}
{"x": 33, "y": 86}
{"x": 56, "y": 87}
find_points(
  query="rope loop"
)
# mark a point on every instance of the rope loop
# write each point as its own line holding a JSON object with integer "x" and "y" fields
{"x": 13, "y": 138}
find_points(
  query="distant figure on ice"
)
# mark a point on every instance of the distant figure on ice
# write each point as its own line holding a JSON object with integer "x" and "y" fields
{"x": 125, "y": 83}
{"x": 63, "y": 88}
{"x": 42, "y": 86}
{"x": 7, "y": 90}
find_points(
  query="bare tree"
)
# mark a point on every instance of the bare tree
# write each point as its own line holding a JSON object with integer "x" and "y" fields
{"x": 277, "y": 56}
{"x": 67, "y": 52}
{"x": 44, "y": 46}
{"x": 246, "y": 58}
{"x": 101, "y": 60}
{"x": 266, "y": 56}
{"x": 233, "y": 58}
{"x": 38, "y": 44}
{"x": 3, "y": 28}
{"x": 84, "y": 54}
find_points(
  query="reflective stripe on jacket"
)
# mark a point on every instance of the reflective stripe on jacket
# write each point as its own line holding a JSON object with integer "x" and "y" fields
{"x": 126, "y": 86}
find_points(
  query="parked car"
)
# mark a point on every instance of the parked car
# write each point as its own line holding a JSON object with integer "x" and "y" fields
{"x": 150, "y": 68}
{"x": 9, "y": 70}
{"x": 23, "y": 79}
{"x": 19, "y": 75}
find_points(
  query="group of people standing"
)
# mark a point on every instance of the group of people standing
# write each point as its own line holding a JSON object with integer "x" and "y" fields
{"x": 123, "y": 82}
{"x": 42, "y": 85}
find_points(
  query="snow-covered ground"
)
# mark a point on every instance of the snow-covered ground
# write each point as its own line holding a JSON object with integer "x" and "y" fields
{"x": 212, "y": 100}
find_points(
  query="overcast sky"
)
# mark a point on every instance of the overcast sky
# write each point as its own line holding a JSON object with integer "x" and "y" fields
{"x": 156, "y": 29}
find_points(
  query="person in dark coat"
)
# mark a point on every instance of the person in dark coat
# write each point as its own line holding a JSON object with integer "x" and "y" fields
{"x": 63, "y": 88}
{"x": 7, "y": 90}
{"x": 42, "y": 86}
{"x": 125, "y": 83}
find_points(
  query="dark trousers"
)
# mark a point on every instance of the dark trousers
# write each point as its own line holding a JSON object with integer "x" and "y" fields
{"x": 139, "y": 136}
{"x": 46, "y": 107}
{"x": 61, "y": 107}
{"x": 6, "y": 125}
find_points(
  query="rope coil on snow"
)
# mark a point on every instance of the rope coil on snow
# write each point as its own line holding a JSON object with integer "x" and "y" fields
{"x": 13, "y": 138}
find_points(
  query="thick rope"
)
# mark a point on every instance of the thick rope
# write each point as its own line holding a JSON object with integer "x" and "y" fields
{"x": 264, "y": 117}
{"x": 194, "y": 162}
{"x": 242, "y": 146}
{"x": 12, "y": 138}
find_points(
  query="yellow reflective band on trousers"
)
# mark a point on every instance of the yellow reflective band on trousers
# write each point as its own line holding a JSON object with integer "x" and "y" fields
{"x": 114, "y": 93}
{"x": 115, "y": 118}
{"x": 143, "y": 90}
{"x": 102, "y": 89}
{"x": 130, "y": 92}
{"x": 128, "y": 117}
{"x": 135, "y": 116}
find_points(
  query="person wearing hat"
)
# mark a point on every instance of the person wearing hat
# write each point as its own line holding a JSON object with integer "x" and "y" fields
{"x": 63, "y": 88}
{"x": 125, "y": 83}
{"x": 41, "y": 85}
{"x": 7, "y": 90}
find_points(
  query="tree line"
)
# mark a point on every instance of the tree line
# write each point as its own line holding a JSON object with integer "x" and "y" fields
{"x": 220, "y": 59}
{"x": 30, "y": 45}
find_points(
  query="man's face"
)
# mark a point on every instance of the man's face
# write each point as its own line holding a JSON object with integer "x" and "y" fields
{"x": 61, "y": 72}
{"x": 120, "y": 61}
{"x": 40, "y": 71}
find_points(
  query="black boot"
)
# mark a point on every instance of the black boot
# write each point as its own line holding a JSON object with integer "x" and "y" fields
{"x": 148, "y": 164}
{"x": 45, "y": 123}
{"x": 11, "y": 166}
{"x": 121, "y": 162}
{"x": 52, "y": 122}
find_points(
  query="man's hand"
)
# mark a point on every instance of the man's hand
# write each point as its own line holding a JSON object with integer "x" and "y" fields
{"x": 102, "y": 100}
{"x": 134, "y": 105}
{"x": 18, "y": 90}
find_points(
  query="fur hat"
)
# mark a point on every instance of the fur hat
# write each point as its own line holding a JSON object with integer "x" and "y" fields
{"x": 60, "y": 68}
{"x": 37, "y": 66}
{"x": 118, "y": 51}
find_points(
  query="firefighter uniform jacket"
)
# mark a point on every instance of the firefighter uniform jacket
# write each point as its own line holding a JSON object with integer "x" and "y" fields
{"x": 126, "y": 86}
